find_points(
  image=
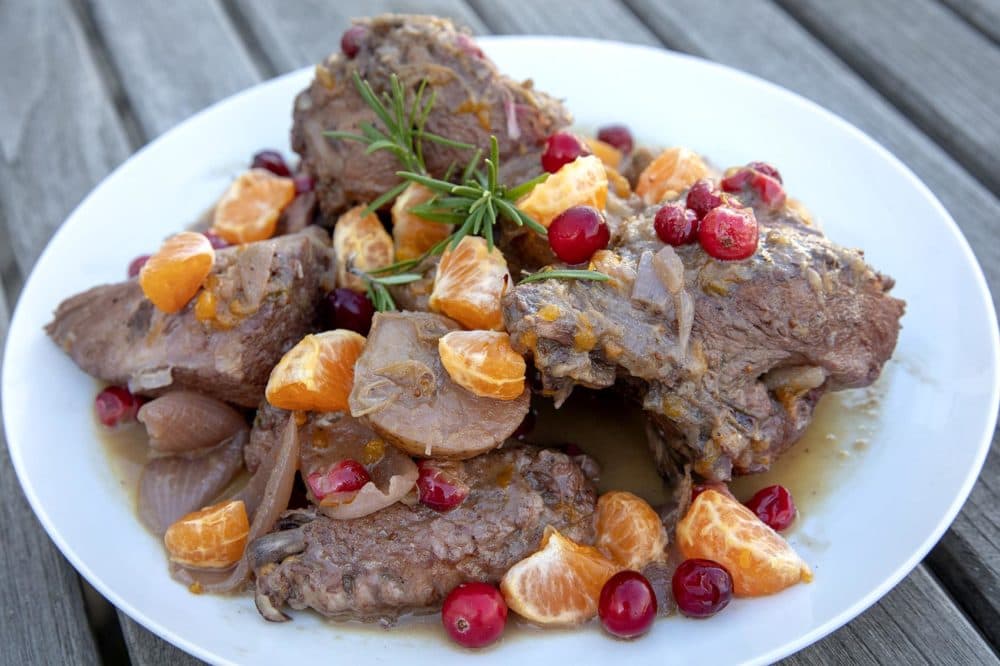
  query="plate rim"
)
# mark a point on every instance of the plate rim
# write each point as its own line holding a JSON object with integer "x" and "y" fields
{"x": 835, "y": 622}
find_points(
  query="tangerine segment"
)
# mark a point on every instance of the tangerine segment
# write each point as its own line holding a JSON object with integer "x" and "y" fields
{"x": 611, "y": 156}
{"x": 560, "y": 584}
{"x": 210, "y": 538}
{"x": 250, "y": 208}
{"x": 483, "y": 362}
{"x": 360, "y": 243}
{"x": 172, "y": 276}
{"x": 414, "y": 235}
{"x": 672, "y": 172}
{"x": 582, "y": 182}
{"x": 719, "y": 528}
{"x": 629, "y": 531}
{"x": 469, "y": 283}
{"x": 317, "y": 374}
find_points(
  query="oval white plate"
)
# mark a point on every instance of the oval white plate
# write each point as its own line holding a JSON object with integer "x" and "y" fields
{"x": 938, "y": 410}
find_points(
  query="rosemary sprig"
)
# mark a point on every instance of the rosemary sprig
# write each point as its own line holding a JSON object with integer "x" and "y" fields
{"x": 565, "y": 274}
{"x": 377, "y": 288}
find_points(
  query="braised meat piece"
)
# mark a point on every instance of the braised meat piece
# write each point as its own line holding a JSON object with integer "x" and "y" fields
{"x": 265, "y": 297}
{"x": 473, "y": 101}
{"x": 403, "y": 392}
{"x": 408, "y": 558}
{"x": 728, "y": 357}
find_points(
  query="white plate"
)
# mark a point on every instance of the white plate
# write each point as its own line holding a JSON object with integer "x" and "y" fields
{"x": 938, "y": 410}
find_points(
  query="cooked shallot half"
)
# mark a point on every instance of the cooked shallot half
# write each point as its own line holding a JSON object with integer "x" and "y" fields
{"x": 173, "y": 486}
{"x": 185, "y": 420}
{"x": 264, "y": 501}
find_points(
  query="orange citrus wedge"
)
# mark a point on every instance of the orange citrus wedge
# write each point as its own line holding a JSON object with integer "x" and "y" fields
{"x": 560, "y": 584}
{"x": 673, "y": 171}
{"x": 414, "y": 235}
{"x": 317, "y": 374}
{"x": 611, "y": 156}
{"x": 250, "y": 208}
{"x": 172, "y": 276}
{"x": 483, "y": 362}
{"x": 360, "y": 243}
{"x": 719, "y": 528}
{"x": 582, "y": 182}
{"x": 629, "y": 531}
{"x": 469, "y": 283}
{"x": 210, "y": 538}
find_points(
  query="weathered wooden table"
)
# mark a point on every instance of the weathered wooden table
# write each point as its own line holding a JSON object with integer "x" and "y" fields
{"x": 85, "y": 83}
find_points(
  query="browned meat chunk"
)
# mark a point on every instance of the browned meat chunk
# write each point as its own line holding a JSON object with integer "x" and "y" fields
{"x": 265, "y": 300}
{"x": 473, "y": 100}
{"x": 407, "y": 558}
{"x": 729, "y": 357}
{"x": 405, "y": 394}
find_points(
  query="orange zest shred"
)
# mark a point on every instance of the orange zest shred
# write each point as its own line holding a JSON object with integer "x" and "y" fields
{"x": 483, "y": 362}
{"x": 317, "y": 374}
{"x": 469, "y": 284}
{"x": 582, "y": 182}
{"x": 250, "y": 208}
{"x": 673, "y": 171}
{"x": 719, "y": 528}
{"x": 172, "y": 276}
{"x": 210, "y": 538}
{"x": 560, "y": 584}
{"x": 360, "y": 243}
{"x": 629, "y": 531}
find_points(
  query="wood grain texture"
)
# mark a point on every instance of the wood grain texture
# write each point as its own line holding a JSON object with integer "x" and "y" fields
{"x": 943, "y": 73}
{"x": 172, "y": 58}
{"x": 146, "y": 648}
{"x": 59, "y": 135}
{"x": 601, "y": 19}
{"x": 983, "y": 14}
{"x": 297, "y": 34}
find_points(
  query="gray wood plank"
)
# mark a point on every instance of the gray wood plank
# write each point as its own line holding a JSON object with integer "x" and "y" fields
{"x": 145, "y": 647}
{"x": 302, "y": 33}
{"x": 173, "y": 58}
{"x": 603, "y": 19}
{"x": 984, "y": 14}
{"x": 943, "y": 73}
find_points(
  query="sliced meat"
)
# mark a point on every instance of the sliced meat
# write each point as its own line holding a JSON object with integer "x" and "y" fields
{"x": 265, "y": 297}
{"x": 404, "y": 393}
{"x": 729, "y": 357}
{"x": 473, "y": 101}
{"x": 407, "y": 558}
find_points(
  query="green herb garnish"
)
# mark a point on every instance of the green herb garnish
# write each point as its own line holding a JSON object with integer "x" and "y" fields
{"x": 377, "y": 290}
{"x": 565, "y": 274}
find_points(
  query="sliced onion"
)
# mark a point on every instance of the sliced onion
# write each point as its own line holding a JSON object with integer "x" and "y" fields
{"x": 669, "y": 268}
{"x": 648, "y": 288}
{"x": 279, "y": 469}
{"x": 393, "y": 478}
{"x": 174, "y": 486}
{"x": 185, "y": 421}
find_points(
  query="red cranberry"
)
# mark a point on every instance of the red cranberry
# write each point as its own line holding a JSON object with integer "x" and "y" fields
{"x": 272, "y": 161}
{"x": 675, "y": 224}
{"x": 215, "y": 240}
{"x": 571, "y": 449}
{"x": 702, "y": 197}
{"x": 737, "y": 181}
{"x": 347, "y": 476}
{"x": 775, "y": 506}
{"x": 350, "y": 41}
{"x": 766, "y": 169}
{"x": 562, "y": 148}
{"x": 701, "y": 587}
{"x": 469, "y": 47}
{"x": 618, "y": 136}
{"x": 627, "y": 606}
{"x": 729, "y": 233}
{"x": 304, "y": 183}
{"x": 438, "y": 489}
{"x": 474, "y": 614}
{"x": 527, "y": 425}
{"x": 768, "y": 189}
{"x": 115, "y": 405}
{"x": 136, "y": 265}
{"x": 343, "y": 308}
{"x": 577, "y": 233}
